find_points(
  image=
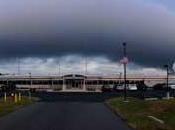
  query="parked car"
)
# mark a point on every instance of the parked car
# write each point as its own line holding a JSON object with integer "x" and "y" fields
{"x": 172, "y": 86}
{"x": 143, "y": 87}
{"x": 132, "y": 87}
{"x": 8, "y": 88}
{"x": 121, "y": 87}
{"x": 118, "y": 87}
{"x": 160, "y": 86}
{"x": 163, "y": 86}
{"x": 107, "y": 88}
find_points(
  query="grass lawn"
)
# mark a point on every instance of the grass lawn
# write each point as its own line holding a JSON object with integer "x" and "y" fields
{"x": 10, "y": 105}
{"x": 136, "y": 113}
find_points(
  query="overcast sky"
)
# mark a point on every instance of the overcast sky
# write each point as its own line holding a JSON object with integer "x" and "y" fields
{"x": 44, "y": 33}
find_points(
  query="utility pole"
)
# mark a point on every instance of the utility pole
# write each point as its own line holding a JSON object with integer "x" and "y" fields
{"x": 86, "y": 66}
{"x": 125, "y": 61}
{"x": 30, "y": 75}
{"x": 167, "y": 82}
{"x": 85, "y": 74}
{"x": 85, "y": 59}
{"x": 18, "y": 66}
{"x": 120, "y": 76}
{"x": 59, "y": 69}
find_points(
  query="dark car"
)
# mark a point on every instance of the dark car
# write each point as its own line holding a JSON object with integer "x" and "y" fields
{"x": 160, "y": 86}
{"x": 8, "y": 88}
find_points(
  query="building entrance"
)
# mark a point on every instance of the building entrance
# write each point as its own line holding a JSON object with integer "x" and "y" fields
{"x": 74, "y": 82}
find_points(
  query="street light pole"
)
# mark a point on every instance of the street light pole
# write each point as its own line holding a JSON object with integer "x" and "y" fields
{"x": 167, "y": 81}
{"x": 124, "y": 64}
{"x": 59, "y": 69}
{"x": 30, "y": 75}
{"x": 18, "y": 66}
{"x": 120, "y": 77}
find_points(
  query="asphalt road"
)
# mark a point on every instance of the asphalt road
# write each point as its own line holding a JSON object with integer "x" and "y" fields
{"x": 64, "y": 112}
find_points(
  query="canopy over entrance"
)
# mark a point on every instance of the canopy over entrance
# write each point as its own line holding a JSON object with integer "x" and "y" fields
{"x": 74, "y": 81}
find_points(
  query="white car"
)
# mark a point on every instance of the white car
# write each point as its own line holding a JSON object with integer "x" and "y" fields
{"x": 132, "y": 87}
{"x": 172, "y": 86}
{"x": 120, "y": 87}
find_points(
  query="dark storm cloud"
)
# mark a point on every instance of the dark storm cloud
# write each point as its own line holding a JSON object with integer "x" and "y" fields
{"x": 94, "y": 28}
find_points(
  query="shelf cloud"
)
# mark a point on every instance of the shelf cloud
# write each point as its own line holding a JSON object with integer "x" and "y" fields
{"x": 95, "y": 28}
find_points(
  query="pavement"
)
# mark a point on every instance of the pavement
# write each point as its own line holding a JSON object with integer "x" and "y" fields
{"x": 64, "y": 112}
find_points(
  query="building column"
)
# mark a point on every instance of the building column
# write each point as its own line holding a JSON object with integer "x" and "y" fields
{"x": 84, "y": 85}
{"x": 64, "y": 85}
{"x": 52, "y": 83}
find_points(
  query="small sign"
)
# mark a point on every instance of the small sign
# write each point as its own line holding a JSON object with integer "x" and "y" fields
{"x": 124, "y": 60}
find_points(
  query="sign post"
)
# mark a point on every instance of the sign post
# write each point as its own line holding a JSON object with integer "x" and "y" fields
{"x": 124, "y": 61}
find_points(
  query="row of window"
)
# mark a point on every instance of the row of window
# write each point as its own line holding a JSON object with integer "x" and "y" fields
{"x": 54, "y": 82}
{"x": 35, "y": 82}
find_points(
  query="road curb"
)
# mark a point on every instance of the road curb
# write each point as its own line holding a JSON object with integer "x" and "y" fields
{"x": 119, "y": 115}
